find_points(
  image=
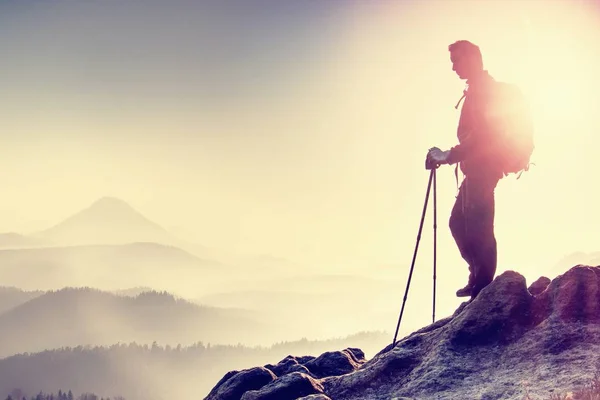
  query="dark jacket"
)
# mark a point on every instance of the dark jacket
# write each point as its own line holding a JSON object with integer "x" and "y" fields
{"x": 475, "y": 133}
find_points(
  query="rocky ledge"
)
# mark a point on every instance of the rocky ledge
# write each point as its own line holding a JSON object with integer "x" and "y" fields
{"x": 509, "y": 341}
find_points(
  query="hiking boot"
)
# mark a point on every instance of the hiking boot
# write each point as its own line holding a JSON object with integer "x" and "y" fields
{"x": 465, "y": 292}
{"x": 478, "y": 288}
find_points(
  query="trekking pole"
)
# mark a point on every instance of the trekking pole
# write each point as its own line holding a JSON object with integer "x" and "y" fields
{"x": 434, "y": 238}
{"x": 412, "y": 266}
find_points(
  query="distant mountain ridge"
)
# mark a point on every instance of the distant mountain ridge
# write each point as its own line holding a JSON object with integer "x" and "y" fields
{"x": 113, "y": 221}
{"x": 111, "y": 245}
{"x": 579, "y": 257}
{"x": 13, "y": 240}
{"x": 133, "y": 264}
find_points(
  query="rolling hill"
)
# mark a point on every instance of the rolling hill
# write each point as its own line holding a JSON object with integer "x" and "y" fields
{"x": 11, "y": 297}
{"x": 83, "y": 316}
{"x": 151, "y": 372}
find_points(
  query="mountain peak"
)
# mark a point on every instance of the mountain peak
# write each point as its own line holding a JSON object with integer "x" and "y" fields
{"x": 111, "y": 207}
{"x": 111, "y": 202}
{"x": 109, "y": 220}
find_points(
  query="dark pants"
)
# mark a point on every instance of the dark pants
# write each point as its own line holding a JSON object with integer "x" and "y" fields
{"x": 472, "y": 226}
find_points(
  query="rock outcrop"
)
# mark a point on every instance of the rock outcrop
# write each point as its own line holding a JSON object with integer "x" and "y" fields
{"x": 510, "y": 340}
{"x": 539, "y": 286}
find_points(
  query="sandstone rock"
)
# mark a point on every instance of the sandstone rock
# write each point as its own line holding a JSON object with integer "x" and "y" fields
{"x": 539, "y": 286}
{"x": 288, "y": 387}
{"x": 288, "y": 365}
{"x": 498, "y": 313}
{"x": 235, "y": 383}
{"x": 576, "y": 295}
{"x": 573, "y": 296}
{"x": 335, "y": 363}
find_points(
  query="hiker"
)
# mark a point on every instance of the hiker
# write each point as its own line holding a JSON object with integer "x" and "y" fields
{"x": 482, "y": 155}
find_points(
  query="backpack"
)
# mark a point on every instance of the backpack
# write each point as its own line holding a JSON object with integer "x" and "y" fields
{"x": 509, "y": 118}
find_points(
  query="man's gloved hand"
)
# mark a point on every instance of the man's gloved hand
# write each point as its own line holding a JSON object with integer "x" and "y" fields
{"x": 435, "y": 156}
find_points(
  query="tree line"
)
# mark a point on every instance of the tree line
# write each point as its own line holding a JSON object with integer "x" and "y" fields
{"x": 18, "y": 395}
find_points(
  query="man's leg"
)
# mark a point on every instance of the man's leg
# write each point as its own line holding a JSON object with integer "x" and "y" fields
{"x": 479, "y": 219}
{"x": 458, "y": 228}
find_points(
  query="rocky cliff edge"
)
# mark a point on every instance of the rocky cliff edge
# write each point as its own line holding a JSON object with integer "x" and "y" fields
{"x": 509, "y": 341}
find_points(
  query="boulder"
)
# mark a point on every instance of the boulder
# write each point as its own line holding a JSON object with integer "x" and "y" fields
{"x": 539, "y": 286}
{"x": 288, "y": 387}
{"x": 235, "y": 383}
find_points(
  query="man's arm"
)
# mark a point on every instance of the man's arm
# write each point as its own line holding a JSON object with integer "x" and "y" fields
{"x": 481, "y": 140}
{"x": 469, "y": 146}
{"x": 457, "y": 153}
{"x": 479, "y": 146}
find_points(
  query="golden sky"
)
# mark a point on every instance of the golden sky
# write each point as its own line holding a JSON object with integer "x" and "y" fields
{"x": 294, "y": 130}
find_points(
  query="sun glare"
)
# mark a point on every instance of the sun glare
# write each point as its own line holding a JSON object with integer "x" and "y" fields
{"x": 556, "y": 98}
{"x": 555, "y": 77}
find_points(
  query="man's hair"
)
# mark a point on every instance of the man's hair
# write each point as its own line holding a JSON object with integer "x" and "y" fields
{"x": 467, "y": 48}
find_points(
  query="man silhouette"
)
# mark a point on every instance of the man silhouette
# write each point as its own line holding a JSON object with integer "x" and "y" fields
{"x": 472, "y": 218}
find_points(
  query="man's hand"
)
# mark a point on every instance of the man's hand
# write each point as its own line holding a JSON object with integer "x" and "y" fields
{"x": 435, "y": 156}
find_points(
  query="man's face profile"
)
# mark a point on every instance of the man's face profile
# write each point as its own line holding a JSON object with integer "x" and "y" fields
{"x": 459, "y": 64}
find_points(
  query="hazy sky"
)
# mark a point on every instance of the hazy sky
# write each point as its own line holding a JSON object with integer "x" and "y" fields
{"x": 292, "y": 128}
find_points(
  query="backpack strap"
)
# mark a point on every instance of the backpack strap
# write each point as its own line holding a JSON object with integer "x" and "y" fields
{"x": 456, "y": 107}
{"x": 461, "y": 99}
{"x": 456, "y": 174}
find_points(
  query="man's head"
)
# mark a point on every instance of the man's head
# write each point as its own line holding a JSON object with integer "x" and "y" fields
{"x": 466, "y": 59}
